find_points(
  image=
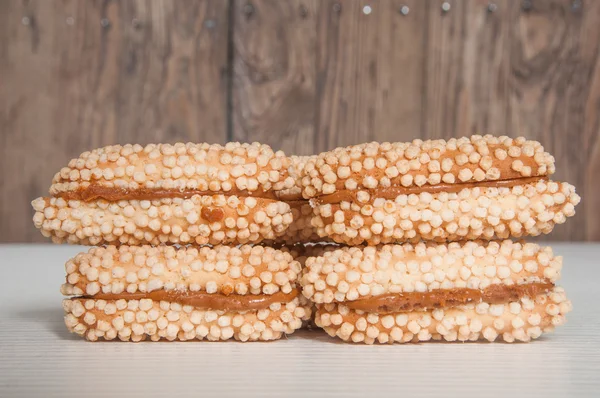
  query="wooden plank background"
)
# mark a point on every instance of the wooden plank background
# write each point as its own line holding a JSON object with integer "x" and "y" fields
{"x": 301, "y": 75}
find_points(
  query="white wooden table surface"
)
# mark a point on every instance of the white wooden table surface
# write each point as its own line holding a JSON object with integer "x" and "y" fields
{"x": 38, "y": 357}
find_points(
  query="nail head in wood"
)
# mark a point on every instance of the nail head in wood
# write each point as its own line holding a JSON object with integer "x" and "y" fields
{"x": 492, "y": 7}
{"x": 404, "y": 10}
{"x": 104, "y": 22}
{"x": 367, "y": 10}
{"x": 303, "y": 11}
{"x": 210, "y": 23}
{"x": 25, "y": 21}
{"x": 576, "y": 5}
{"x": 527, "y": 5}
{"x": 446, "y": 6}
{"x": 70, "y": 21}
{"x": 248, "y": 9}
{"x": 337, "y": 7}
{"x": 136, "y": 23}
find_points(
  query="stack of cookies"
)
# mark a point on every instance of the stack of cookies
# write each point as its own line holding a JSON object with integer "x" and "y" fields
{"x": 400, "y": 242}
{"x": 428, "y": 227}
{"x": 178, "y": 228}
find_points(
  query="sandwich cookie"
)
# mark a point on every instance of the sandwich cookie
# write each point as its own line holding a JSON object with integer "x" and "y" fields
{"x": 162, "y": 193}
{"x": 137, "y": 293}
{"x": 482, "y": 187}
{"x": 455, "y": 292}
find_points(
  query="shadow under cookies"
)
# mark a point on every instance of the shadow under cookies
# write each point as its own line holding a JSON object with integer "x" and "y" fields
{"x": 52, "y": 320}
{"x": 315, "y": 334}
{"x": 47, "y": 319}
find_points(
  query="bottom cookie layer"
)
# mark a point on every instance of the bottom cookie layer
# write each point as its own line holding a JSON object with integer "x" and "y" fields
{"x": 521, "y": 320}
{"x": 137, "y": 320}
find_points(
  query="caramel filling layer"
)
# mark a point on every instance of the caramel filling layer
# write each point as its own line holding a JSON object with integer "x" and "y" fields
{"x": 113, "y": 194}
{"x": 446, "y": 298}
{"x": 393, "y": 192}
{"x": 221, "y": 302}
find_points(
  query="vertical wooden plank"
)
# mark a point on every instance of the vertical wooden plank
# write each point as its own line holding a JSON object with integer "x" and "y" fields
{"x": 175, "y": 61}
{"x": 369, "y": 72}
{"x": 30, "y": 96}
{"x": 554, "y": 96}
{"x": 274, "y": 73}
{"x": 467, "y": 67}
{"x": 78, "y": 75}
{"x": 590, "y": 38}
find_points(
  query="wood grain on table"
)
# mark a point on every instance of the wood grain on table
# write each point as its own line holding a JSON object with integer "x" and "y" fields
{"x": 301, "y": 75}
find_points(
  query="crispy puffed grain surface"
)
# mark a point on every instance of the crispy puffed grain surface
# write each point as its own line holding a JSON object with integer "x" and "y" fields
{"x": 301, "y": 252}
{"x": 472, "y": 213}
{"x": 522, "y": 320}
{"x": 295, "y": 171}
{"x": 225, "y": 270}
{"x": 418, "y": 163}
{"x": 301, "y": 229}
{"x": 205, "y": 167}
{"x": 353, "y": 273}
{"x": 138, "y": 320}
{"x": 199, "y": 220}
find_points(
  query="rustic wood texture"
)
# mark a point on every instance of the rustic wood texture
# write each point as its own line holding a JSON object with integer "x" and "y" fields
{"x": 467, "y": 68}
{"x": 370, "y": 72}
{"x": 302, "y": 75}
{"x": 274, "y": 73}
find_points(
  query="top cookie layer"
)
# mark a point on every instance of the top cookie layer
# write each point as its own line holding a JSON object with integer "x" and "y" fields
{"x": 418, "y": 163}
{"x": 251, "y": 169}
